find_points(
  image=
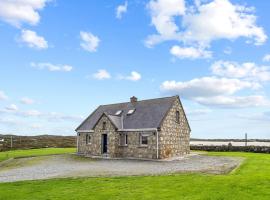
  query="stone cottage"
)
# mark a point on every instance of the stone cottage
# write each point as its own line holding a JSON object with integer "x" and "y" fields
{"x": 152, "y": 129}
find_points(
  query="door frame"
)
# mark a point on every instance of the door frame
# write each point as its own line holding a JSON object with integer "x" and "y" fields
{"x": 104, "y": 148}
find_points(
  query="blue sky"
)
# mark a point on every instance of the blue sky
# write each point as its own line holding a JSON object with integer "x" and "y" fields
{"x": 61, "y": 59}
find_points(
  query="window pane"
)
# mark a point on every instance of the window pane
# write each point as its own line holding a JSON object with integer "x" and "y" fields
{"x": 104, "y": 125}
{"x": 88, "y": 138}
{"x": 144, "y": 140}
{"x": 177, "y": 116}
{"x": 126, "y": 139}
{"x": 123, "y": 139}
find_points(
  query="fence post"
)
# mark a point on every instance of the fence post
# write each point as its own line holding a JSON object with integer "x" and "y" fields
{"x": 246, "y": 139}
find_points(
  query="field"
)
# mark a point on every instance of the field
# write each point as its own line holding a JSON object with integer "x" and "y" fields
{"x": 250, "y": 181}
{"x": 34, "y": 152}
{"x": 12, "y": 142}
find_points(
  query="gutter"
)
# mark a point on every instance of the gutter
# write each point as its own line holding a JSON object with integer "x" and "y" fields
{"x": 121, "y": 130}
{"x": 157, "y": 143}
{"x": 85, "y": 131}
{"x": 142, "y": 129}
{"x": 77, "y": 144}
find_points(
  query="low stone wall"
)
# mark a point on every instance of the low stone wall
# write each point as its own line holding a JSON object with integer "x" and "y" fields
{"x": 255, "y": 149}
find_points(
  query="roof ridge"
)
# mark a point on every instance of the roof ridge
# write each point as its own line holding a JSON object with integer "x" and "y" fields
{"x": 141, "y": 100}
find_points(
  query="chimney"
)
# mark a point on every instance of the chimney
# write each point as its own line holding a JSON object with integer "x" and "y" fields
{"x": 133, "y": 99}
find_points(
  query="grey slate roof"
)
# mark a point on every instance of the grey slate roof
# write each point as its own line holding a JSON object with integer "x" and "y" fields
{"x": 116, "y": 120}
{"x": 148, "y": 114}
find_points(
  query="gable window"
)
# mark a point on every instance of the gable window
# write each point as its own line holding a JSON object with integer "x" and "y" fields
{"x": 123, "y": 139}
{"x": 177, "y": 116}
{"x": 143, "y": 140}
{"x": 88, "y": 139}
{"x": 104, "y": 126}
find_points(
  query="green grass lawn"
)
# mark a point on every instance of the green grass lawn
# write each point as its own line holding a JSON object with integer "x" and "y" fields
{"x": 34, "y": 152}
{"x": 250, "y": 181}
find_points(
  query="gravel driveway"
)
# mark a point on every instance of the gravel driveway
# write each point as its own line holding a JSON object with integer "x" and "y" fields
{"x": 57, "y": 166}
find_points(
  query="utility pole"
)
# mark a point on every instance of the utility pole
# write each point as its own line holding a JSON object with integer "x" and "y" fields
{"x": 245, "y": 139}
{"x": 11, "y": 142}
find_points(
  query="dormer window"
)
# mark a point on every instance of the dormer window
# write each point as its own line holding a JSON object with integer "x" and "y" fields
{"x": 131, "y": 111}
{"x": 104, "y": 126}
{"x": 118, "y": 112}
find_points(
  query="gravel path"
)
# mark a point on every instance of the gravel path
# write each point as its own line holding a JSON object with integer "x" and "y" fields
{"x": 57, "y": 166}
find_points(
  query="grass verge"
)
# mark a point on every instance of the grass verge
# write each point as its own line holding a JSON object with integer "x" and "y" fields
{"x": 34, "y": 152}
{"x": 250, "y": 181}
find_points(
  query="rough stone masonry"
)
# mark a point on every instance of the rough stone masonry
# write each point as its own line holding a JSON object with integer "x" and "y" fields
{"x": 151, "y": 129}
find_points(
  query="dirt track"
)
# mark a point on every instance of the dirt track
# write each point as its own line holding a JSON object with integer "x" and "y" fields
{"x": 57, "y": 166}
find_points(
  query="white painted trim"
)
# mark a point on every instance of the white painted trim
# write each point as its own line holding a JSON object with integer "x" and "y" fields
{"x": 77, "y": 143}
{"x": 86, "y": 131}
{"x": 143, "y": 129}
{"x": 157, "y": 143}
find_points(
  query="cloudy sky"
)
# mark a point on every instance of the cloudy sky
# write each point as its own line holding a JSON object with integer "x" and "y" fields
{"x": 61, "y": 59}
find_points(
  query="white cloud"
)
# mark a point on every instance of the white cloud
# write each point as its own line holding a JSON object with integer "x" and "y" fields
{"x": 30, "y": 113}
{"x": 89, "y": 42}
{"x": 207, "y": 87}
{"x": 121, "y": 9}
{"x": 203, "y": 23}
{"x": 222, "y": 20}
{"x": 27, "y": 101}
{"x": 12, "y": 107}
{"x": 53, "y": 116}
{"x": 248, "y": 70}
{"x": 16, "y": 12}
{"x": 36, "y": 126}
{"x": 52, "y": 67}
{"x": 9, "y": 122}
{"x": 266, "y": 58}
{"x": 163, "y": 13}
{"x": 213, "y": 91}
{"x": 190, "y": 52}
{"x": 3, "y": 96}
{"x": 262, "y": 116}
{"x": 134, "y": 76}
{"x": 32, "y": 40}
{"x": 49, "y": 116}
{"x": 234, "y": 101}
{"x": 102, "y": 74}
{"x": 198, "y": 112}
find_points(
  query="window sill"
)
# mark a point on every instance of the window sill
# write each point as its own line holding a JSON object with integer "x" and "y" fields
{"x": 143, "y": 146}
{"x": 123, "y": 145}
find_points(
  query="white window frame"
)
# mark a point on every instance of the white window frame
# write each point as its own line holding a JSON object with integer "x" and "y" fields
{"x": 88, "y": 138}
{"x": 144, "y": 135}
{"x": 119, "y": 112}
{"x": 131, "y": 111}
{"x": 123, "y": 137}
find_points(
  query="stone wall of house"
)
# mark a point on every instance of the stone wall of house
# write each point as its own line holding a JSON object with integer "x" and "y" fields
{"x": 134, "y": 149}
{"x": 173, "y": 139}
{"x": 174, "y": 136}
{"x": 95, "y": 147}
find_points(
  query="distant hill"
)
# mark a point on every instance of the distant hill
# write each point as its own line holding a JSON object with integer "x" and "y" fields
{"x": 31, "y": 142}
